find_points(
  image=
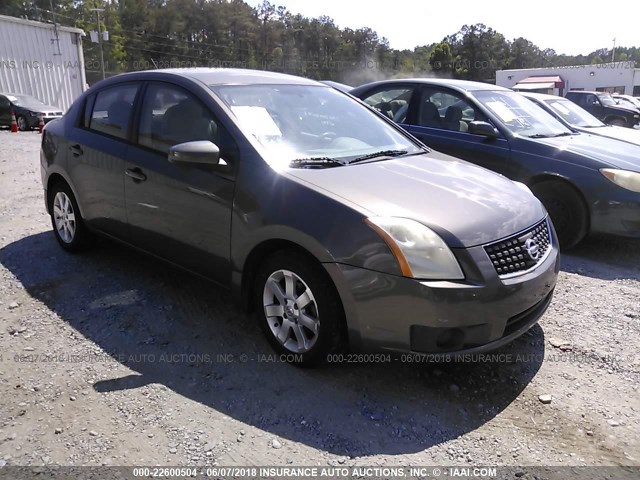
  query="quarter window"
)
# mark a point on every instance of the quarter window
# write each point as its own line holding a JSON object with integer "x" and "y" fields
{"x": 111, "y": 112}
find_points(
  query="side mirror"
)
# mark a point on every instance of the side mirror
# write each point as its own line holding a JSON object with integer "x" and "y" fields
{"x": 483, "y": 128}
{"x": 201, "y": 152}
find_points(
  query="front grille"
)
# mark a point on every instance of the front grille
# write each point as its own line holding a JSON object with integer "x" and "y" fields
{"x": 519, "y": 253}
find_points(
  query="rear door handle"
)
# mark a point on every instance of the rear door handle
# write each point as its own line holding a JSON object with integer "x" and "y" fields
{"x": 136, "y": 174}
{"x": 76, "y": 150}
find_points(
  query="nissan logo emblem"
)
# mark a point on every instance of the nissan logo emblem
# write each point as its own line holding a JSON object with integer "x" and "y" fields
{"x": 533, "y": 249}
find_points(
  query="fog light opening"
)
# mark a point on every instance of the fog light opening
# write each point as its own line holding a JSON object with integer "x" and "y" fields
{"x": 450, "y": 339}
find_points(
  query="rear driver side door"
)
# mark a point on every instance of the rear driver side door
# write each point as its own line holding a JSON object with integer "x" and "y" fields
{"x": 180, "y": 213}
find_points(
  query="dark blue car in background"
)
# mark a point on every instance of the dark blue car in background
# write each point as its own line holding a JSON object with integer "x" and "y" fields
{"x": 588, "y": 184}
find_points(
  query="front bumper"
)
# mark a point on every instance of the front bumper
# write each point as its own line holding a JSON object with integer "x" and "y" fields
{"x": 483, "y": 312}
{"x": 35, "y": 121}
{"x": 619, "y": 215}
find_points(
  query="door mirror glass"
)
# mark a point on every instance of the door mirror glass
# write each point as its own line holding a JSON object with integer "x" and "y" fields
{"x": 200, "y": 152}
{"x": 483, "y": 128}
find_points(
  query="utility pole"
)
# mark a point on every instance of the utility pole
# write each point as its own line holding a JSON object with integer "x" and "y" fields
{"x": 55, "y": 28}
{"x": 613, "y": 52}
{"x": 98, "y": 10}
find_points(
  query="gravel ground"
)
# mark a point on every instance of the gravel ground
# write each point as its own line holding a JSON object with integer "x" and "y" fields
{"x": 112, "y": 358}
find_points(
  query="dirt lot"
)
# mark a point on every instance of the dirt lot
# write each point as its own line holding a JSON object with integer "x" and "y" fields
{"x": 112, "y": 358}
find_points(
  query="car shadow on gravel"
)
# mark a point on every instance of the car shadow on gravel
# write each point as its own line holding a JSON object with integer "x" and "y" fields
{"x": 604, "y": 257}
{"x": 174, "y": 329}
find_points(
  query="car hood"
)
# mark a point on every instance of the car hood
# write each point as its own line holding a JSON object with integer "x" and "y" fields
{"x": 465, "y": 204}
{"x": 623, "y": 108}
{"x": 629, "y": 135}
{"x": 42, "y": 108}
{"x": 609, "y": 151}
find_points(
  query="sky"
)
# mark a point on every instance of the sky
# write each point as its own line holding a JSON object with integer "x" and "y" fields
{"x": 567, "y": 27}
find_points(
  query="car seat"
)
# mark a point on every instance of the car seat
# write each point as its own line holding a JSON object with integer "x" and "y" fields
{"x": 453, "y": 119}
{"x": 429, "y": 116}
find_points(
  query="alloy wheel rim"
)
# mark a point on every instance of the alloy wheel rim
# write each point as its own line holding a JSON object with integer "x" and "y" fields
{"x": 64, "y": 217}
{"x": 291, "y": 311}
{"x": 22, "y": 125}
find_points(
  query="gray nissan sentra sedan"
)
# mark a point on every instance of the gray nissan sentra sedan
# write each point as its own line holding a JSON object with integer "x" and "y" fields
{"x": 333, "y": 224}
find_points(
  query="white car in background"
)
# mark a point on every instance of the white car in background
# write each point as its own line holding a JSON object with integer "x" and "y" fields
{"x": 578, "y": 119}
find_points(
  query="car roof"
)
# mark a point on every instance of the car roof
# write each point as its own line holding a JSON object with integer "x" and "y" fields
{"x": 460, "y": 85}
{"x": 587, "y": 91}
{"x": 227, "y": 76}
{"x": 542, "y": 96}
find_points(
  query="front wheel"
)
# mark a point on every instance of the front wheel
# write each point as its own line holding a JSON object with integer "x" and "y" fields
{"x": 568, "y": 212}
{"x": 298, "y": 308}
{"x": 23, "y": 125}
{"x": 618, "y": 122}
{"x": 68, "y": 226}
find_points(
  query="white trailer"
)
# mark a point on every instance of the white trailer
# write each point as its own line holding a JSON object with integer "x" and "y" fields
{"x": 619, "y": 77}
{"x": 42, "y": 60}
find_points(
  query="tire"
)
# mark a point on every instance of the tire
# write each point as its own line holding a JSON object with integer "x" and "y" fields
{"x": 567, "y": 210}
{"x": 304, "y": 334}
{"x": 66, "y": 220}
{"x": 23, "y": 124}
{"x": 617, "y": 121}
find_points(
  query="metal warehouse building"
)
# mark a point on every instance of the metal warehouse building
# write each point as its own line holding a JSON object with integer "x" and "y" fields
{"x": 42, "y": 60}
{"x": 618, "y": 77}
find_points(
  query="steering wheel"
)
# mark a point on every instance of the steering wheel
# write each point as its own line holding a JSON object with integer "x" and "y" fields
{"x": 328, "y": 136}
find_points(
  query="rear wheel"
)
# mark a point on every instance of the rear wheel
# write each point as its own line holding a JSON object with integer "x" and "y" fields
{"x": 68, "y": 226}
{"x": 298, "y": 308}
{"x": 567, "y": 211}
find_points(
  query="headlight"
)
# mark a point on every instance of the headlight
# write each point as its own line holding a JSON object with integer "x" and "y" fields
{"x": 420, "y": 252}
{"x": 623, "y": 178}
{"x": 33, "y": 114}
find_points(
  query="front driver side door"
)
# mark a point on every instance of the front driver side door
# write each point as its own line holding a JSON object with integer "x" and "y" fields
{"x": 5, "y": 111}
{"x": 178, "y": 212}
{"x": 440, "y": 117}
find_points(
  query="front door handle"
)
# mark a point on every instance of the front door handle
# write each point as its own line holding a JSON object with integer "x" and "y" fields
{"x": 76, "y": 150}
{"x": 136, "y": 174}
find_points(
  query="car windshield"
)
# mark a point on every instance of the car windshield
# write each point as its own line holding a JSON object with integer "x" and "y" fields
{"x": 607, "y": 100}
{"x": 573, "y": 114}
{"x": 628, "y": 101}
{"x": 520, "y": 115}
{"x": 297, "y": 122}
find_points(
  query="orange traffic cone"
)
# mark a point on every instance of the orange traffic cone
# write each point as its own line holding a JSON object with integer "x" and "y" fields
{"x": 14, "y": 123}
{"x": 40, "y": 123}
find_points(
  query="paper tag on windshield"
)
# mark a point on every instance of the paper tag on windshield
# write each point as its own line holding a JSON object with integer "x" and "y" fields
{"x": 560, "y": 108}
{"x": 500, "y": 109}
{"x": 257, "y": 120}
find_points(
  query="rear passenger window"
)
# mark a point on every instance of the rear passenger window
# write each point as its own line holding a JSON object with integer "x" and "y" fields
{"x": 111, "y": 111}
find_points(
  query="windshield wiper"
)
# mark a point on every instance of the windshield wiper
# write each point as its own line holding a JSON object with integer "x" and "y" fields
{"x": 382, "y": 153}
{"x": 538, "y": 135}
{"x": 315, "y": 162}
{"x": 565, "y": 134}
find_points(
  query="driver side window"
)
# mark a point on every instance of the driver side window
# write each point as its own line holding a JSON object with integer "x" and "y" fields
{"x": 392, "y": 102}
{"x": 171, "y": 115}
{"x": 446, "y": 110}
